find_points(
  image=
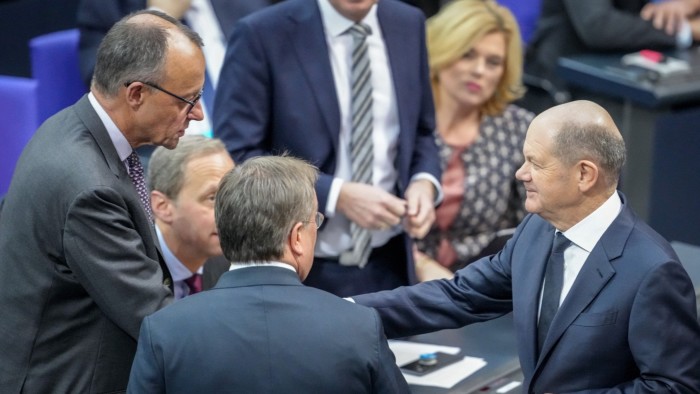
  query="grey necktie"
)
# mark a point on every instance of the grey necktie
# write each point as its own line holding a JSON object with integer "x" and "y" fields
{"x": 553, "y": 282}
{"x": 361, "y": 146}
{"x": 137, "y": 178}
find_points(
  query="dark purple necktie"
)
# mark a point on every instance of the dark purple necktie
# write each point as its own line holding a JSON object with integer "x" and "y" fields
{"x": 137, "y": 178}
{"x": 194, "y": 282}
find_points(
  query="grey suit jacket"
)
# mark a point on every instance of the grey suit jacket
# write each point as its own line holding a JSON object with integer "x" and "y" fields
{"x": 79, "y": 265}
{"x": 628, "y": 324}
{"x": 261, "y": 331}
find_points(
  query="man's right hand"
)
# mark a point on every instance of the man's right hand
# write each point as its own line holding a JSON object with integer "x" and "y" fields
{"x": 174, "y": 8}
{"x": 370, "y": 207}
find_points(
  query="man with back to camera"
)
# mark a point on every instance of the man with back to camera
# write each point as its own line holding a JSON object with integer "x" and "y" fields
{"x": 183, "y": 183}
{"x": 600, "y": 301}
{"x": 79, "y": 261}
{"x": 260, "y": 330}
{"x": 287, "y": 85}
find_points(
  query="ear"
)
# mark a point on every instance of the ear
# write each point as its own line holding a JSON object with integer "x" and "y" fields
{"x": 134, "y": 94}
{"x": 588, "y": 173}
{"x": 163, "y": 207}
{"x": 296, "y": 246}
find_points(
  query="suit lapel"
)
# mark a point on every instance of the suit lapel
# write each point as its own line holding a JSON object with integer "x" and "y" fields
{"x": 529, "y": 278}
{"x": 307, "y": 37}
{"x": 92, "y": 121}
{"x": 594, "y": 275}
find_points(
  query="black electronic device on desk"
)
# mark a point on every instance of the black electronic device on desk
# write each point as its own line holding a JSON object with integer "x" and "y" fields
{"x": 648, "y": 78}
{"x": 495, "y": 342}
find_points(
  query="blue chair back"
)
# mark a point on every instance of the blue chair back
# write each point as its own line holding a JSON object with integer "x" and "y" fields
{"x": 54, "y": 59}
{"x": 18, "y": 111}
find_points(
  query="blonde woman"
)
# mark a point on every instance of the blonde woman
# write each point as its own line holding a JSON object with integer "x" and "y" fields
{"x": 475, "y": 56}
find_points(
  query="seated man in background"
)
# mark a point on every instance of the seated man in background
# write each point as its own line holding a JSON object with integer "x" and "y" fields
{"x": 183, "y": 183}
{"x": 600, "y": 301}
{"x": 260, "y": 330}
{"x": 568, "y": 27}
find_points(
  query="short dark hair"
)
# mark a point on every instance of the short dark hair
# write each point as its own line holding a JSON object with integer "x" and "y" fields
{"x": 259, "y": 202}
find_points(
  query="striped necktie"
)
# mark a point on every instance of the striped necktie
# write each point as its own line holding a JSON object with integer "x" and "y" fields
{"x": 361, "y": 146}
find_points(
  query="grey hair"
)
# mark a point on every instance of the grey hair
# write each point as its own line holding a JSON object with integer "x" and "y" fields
{"x": 259, "y": 202}
{"x": 594, "y": 142}
{"x": 135, "y": 52}
{"x": 166, "y": 168}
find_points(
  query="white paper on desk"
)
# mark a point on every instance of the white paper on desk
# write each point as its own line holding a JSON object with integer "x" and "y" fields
{"x": 446, "y": 377}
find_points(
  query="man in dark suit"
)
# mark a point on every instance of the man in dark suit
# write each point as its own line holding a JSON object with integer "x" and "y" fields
{"x": 286, "y": 86}
{"x": 213, "y": 20}
{"x": 183, "y": 183}
{"x": 260, "y": 330}
{"x": 79, "y": 261}
{"x": 609, "y": 310}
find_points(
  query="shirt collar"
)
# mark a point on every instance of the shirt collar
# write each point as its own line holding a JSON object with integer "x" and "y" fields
{"x": 237, "y": 266}
{"x": 336, "y": 24}
{"x": 178, "y": 271}
{"x": 120, "y": 143}
{"x": 586, "y": 233}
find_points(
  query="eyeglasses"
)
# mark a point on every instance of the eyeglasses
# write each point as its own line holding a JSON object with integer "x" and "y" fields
{"x": 192, "y": 102}
{"x": 319, "y": 220}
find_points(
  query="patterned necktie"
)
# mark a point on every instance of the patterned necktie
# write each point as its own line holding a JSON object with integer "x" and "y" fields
{"x": 194, "y": 282}
{"x": 137, "y": 178}
{"x": 553, "y": 283}
{"x": 361, "y": 146}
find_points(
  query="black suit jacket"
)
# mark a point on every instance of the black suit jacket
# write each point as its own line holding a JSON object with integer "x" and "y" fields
{"x": 567, "y": 27}
{"x": 213, "y": 269}
{"x": 79, "y": 262}
{"x": 261, "y": 331}
{"x": 96, "y": 17}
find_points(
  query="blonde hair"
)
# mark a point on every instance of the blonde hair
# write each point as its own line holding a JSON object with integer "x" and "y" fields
{"x": 454, "y": 30}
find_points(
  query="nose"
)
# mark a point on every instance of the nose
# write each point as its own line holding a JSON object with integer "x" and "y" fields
{"x": 480, "y": 66}
{"x": 522, "y": 173}
{"x": 197, "y": 112}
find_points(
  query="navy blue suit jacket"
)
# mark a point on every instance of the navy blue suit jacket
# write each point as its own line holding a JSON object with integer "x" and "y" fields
{"x": 629, "y": 321}
{"x": 261, "y": 331}
{"x": 276, "y": 91}
{"x": 96, "y": 17}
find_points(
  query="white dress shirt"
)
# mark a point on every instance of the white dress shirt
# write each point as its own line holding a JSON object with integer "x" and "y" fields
{"x": 584, "y": 236}
{"x": 335, "y": 237}
{"x": 178, "y": 271}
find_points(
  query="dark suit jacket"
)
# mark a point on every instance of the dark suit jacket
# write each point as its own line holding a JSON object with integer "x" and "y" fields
{"x": 628, "y": 323}
{"x": 276, "y": 91}
{"x": 213, "y": 269}
{"x": 567, "y": 27}
{"x": 261, "y": 331}
{"x": 96, "y": 17}
{"x": 79, "y": 265}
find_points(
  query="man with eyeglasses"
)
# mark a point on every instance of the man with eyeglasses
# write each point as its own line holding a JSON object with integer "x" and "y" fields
{"x": 80, "y": 264}
{"x": 260, "y": 330}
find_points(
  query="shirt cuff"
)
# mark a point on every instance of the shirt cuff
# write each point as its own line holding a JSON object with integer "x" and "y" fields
{"x": 333, "y": 195}
{"x": 684, "y": 37}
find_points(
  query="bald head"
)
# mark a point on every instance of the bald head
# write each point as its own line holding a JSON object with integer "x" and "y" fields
{"x": 583, "y": 130}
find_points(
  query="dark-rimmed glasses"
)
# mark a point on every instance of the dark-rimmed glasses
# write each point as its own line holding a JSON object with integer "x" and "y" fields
{"x": 318, "y": 220}
{"x": 192, "y": 102}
